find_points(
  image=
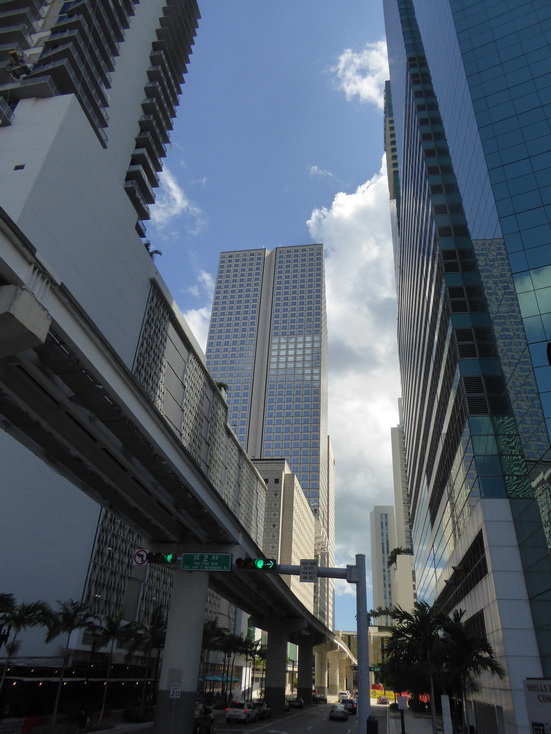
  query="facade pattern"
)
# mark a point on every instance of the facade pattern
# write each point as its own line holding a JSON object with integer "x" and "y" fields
{"x": 472, "y": 240}
{"x": 268, "y": 343}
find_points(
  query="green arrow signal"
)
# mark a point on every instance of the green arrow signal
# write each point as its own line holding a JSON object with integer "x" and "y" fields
{"x": 264, "y": 563}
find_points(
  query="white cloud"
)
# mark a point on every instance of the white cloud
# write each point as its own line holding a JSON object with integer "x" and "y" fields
{"x": 171, "y": 202}
{"x": 321, "y": 172}
{"x": 199, "y": 318}
{"x": 363, "y": 364}
{"x": 364, "y": 74}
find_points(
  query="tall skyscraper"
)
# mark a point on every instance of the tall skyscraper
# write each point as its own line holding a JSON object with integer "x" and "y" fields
{"x": 469, "y": 151}
{"x": 383, "y": 541}
{"x": 268, "y": 342}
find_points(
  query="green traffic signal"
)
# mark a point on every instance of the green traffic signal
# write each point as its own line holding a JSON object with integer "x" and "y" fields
{"x": 168, "y": 559}
{"x": 261, "y": 564}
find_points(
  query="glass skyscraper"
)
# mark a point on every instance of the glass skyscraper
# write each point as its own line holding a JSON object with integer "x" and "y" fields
{"x": 268, "y": 343}
{"x": 468, "y": 114}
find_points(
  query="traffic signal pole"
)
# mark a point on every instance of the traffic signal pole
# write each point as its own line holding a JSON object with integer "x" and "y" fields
{"x": 354, "y": 575}
{"x": 171, "y": 689}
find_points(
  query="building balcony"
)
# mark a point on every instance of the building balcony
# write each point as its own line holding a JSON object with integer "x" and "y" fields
{"x": 149, "y": 124}
{"x": 140, "y": 157}
{"x": 134, "y": 194}
{"x": 17, "y": 16}
{"x": 80, "y": 16}
{"x": 158, "y": 74}
{"x": 74, "y": 80}
{"x": 72, "y": 74}
{"x": 33, "y": 5}
{"x": 151, "y": 106}
{"x": 73, "y": 41}
{"x": 155, "y": 89}
{"x": 140, "y": 229}
{"x": 110, "y": 17}
{"x": 136, "y": 173}
{"x": 6, "y": 113}
{"x": 155, "y": 149}
{"x": 40, "y": 87}
{"x": 16, "y": 36}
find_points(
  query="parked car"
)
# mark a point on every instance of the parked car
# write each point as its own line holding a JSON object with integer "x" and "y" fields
{"x": 319, "y": 698}
{"x": 203, "y": 719}
{"x": 241, "y": 711}
{"x": 337, "y": 712}
{"x": 343, "y": 694}
{"x": 263, "y": 711}
{"x": 383, "y": 700}
{"x": 350, "y": 705}
{"x": 296, "y": 703}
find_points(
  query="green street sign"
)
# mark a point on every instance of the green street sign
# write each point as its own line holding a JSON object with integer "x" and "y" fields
{"x": 206, "y": 561}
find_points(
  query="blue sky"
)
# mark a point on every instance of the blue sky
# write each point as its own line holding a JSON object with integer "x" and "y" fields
{"x": 279, "y": 141}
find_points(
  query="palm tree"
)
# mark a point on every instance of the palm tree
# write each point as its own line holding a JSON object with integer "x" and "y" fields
{"x": 395, "y": 552}
{"x": 416, "y": 639}
{"x": 17, "y": 617}
{"x": 466, "y": 656}
{"x": 147, "y": 637}
{"x": 113, "y": 629}
{"x": 69, "y": 616}
{"x": 7, "y": 604}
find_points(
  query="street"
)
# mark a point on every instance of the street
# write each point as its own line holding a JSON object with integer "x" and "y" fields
{"x": 314, "y": 719}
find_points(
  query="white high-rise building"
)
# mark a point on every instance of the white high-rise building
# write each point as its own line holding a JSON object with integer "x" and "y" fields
{"x": 268, "y": 343}
{"x": 383, "y": 541}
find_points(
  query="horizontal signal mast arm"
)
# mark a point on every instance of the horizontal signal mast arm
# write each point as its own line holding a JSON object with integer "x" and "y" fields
{"x": 348, "y": 573}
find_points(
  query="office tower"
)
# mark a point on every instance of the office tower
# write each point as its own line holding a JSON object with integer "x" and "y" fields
{"x": 467, "y": 122}
{"x": 268, "y": 343}
{"x": 289, "y": 525}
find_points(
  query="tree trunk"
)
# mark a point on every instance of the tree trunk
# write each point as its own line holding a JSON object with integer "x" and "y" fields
{"x": 432, "y": 700}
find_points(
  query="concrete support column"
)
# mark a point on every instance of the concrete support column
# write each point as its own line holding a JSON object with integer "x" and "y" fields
{"x": 333, "y": 658}
{"x": 320, "y": 669}
{"x": 305, "y": 659}
{"x": 342, "y": 672}
{"x": 182, "y": 654}
{"x": 276, "y": 667}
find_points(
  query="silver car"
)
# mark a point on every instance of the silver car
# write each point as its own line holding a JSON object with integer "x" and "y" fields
{"x": 241, "y": 711}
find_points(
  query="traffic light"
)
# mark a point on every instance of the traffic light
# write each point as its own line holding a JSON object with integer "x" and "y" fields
{"x": 258, "y": 564}
{"x": 167, "y": 559}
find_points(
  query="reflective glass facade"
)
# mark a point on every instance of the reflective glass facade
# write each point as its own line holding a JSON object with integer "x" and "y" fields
{"x": 469, "y": 106}
{"x": 268, "y": 343}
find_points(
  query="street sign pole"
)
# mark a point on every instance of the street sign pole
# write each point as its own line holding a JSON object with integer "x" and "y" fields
{"x": 364, "y": 702}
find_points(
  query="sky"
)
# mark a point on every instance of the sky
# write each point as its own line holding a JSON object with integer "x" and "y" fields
{"x": 278, "y": 141}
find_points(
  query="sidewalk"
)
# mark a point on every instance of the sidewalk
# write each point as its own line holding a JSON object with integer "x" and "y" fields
{"x": 413, "y": 723}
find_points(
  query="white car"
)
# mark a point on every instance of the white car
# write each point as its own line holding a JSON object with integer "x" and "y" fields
{"x": 241, "y": 711}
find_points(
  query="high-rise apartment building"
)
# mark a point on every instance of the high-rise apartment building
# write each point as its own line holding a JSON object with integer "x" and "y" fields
{"x": 468, "y": 114}
{"x": 268, "y": 342}
{"x": 383, "y": 541}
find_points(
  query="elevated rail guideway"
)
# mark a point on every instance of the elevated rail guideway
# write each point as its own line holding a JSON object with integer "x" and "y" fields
{"x": 96, "y": 414}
